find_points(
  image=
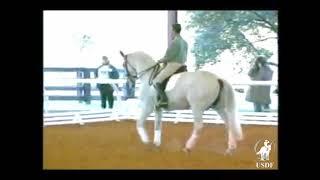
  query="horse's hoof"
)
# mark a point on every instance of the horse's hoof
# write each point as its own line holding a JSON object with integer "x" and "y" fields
{"x": 146, "y": 143}
{"x": 148, "y": 146}
{"x": 156, "y": 148}
{"x": 186, "y": 150}
{"x": 229, "y": 152}
{"x": 157, "y": 144}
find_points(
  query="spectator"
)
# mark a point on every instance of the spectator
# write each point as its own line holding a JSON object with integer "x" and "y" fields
{"x": 106, "y": 71}
{"x": 129, "y": 89}
{"x": 260, "y": 95}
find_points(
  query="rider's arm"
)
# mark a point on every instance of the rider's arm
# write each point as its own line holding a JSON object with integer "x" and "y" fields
{"x": 171, "y": 52}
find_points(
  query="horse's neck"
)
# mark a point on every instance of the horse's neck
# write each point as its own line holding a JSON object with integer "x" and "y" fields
{"x": 145, "y": 81}
{"x": 145, "y": 89}
{"x": 142, "y": 66}
{"x": 145, "y": 64}
{"x": 145, "y": 78}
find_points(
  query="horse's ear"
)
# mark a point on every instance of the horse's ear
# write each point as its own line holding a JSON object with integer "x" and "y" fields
{"x": 122, "y": 54}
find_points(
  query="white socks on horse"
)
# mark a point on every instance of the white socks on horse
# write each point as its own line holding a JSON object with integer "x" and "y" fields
{"x": 145, "y": 139}
{"x": 143, "y": 135}
{"x": 192, "y": 141}
{"x": 157, "y": 137}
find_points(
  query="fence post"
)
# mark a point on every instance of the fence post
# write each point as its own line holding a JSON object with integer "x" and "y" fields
{"x": 86, "y": 87}
{"x": 78, "y": 119}
{"x": 176, "y": 119}
{"x": 79, "y": 85}
{"x": 45, "y": 101}
{"x": 115, "y": 110}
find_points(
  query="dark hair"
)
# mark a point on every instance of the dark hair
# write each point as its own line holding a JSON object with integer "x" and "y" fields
{"x": 262, "y": 60}
{"x": 176, "y": 28}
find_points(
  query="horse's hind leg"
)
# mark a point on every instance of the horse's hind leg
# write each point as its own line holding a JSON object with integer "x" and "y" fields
{"x": 232, "y": 143}
{"x": 197, "y": 128}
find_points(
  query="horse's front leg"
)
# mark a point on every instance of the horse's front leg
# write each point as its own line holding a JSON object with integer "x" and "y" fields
{"x": 146, "y": 111}
{"x": 157, "y": 127}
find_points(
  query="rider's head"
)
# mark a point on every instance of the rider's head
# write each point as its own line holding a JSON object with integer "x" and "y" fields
{"x": 261, "y": 60}
{"x": 176, "y": 28}
{"x": 105, "y": 60}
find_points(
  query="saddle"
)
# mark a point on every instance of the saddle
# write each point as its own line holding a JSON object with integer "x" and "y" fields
{"x": 183, "y": 68}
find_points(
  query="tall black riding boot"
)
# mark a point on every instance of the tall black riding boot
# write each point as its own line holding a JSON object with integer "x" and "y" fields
{"x": 163, "y": 100}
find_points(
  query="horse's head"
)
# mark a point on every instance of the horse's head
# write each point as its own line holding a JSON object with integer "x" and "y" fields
{"x": 135, "y": 63}
{"x": 131, "y": 71}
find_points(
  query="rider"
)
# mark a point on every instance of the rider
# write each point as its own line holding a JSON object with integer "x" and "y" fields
{"x": 175, "y": 57}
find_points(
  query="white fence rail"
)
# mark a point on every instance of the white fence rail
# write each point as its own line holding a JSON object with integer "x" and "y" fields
{"x": 121, "y": 113}
{"x": 172, "y": 116}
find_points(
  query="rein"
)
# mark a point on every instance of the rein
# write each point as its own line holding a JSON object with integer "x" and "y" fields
{"x": 154, "y": 73}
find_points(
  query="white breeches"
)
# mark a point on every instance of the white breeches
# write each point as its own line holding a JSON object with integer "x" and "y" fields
{"x": 167, "y": 71}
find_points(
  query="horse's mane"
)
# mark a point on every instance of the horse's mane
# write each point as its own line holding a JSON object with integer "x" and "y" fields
{"x": 140, "y": 55}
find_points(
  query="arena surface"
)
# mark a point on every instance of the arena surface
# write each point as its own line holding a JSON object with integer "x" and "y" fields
{"x": 116, "y": 145}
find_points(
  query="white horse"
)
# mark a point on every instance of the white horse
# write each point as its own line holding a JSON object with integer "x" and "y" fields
{"x": 196, "y": 90}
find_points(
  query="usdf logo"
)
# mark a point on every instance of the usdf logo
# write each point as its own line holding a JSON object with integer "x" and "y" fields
{"x": 263, "y": 152}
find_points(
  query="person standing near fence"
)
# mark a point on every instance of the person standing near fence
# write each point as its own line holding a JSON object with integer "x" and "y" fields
{"x": 260, "y": 95}
{"x": 106, "y": 71}
{"x": 129, "y": 89}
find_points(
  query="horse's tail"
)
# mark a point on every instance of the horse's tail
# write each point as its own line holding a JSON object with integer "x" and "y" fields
{"x": 228, "y": 96}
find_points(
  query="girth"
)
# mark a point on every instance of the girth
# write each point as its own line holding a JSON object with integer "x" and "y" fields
{"x": 219, "y": 94}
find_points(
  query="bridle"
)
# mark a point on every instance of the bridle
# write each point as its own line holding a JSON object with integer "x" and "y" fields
{"x": 138, "y": 75}
{"x": 125, "y": 64}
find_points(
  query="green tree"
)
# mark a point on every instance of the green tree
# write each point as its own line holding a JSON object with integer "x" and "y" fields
{"x": 217, "y": 31}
